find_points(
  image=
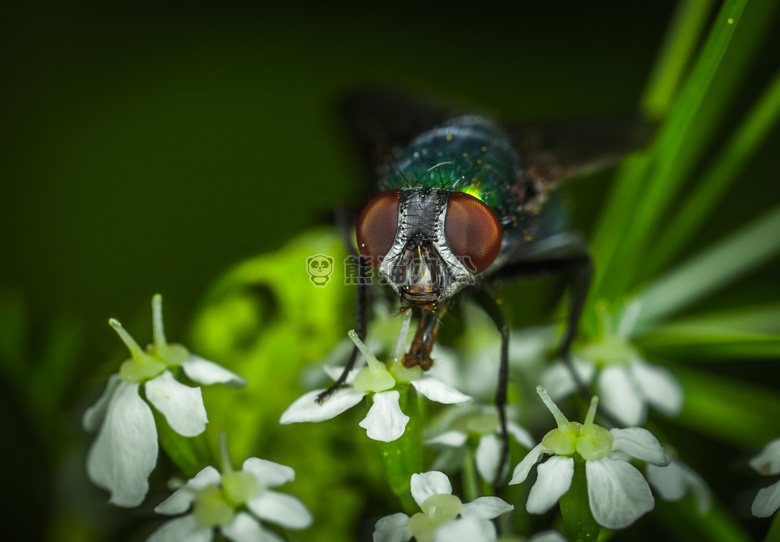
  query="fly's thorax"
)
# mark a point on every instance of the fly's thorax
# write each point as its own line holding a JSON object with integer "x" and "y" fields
{"x": 470, "y": 154}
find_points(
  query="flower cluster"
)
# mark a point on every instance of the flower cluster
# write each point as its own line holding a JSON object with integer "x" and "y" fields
{"x": 626, "y": 382}
{"x": 617, "y": 493}
{"x": 233, "y": 502}
{"x": 125, "y": 451}
{"x": 444, "y": 517}
{"x": 461, "y": 422}
{"x": 385, "y": 421}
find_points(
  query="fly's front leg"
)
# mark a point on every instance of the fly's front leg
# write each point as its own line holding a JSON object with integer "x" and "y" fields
{"x": 493, "y": 310}
{"x": 360, "y": 328}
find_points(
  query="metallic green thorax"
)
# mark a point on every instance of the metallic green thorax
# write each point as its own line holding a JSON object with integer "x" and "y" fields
{"x": 468, "y": 154}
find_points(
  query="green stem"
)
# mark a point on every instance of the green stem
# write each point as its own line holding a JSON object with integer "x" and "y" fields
{"x": 403, "y": 457}
{"x": 469, "y": 477}
{"x": 575, "y": 508}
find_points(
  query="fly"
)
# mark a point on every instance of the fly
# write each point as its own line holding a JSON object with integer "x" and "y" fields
{"x": 463, "y": 202}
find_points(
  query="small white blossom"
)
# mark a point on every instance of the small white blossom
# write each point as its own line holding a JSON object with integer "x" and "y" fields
{"x": 673, "y": 482}
{"x": 617, "y": 493}
{"x": 626, "y": 382}
{"x": 444, "y": 518}
{"x": 767, "y": 462}
{"x": 125, "y": 451}
{"x": 454, "y": 429}
{"x": 234, "y": 502}
{"x": 385, "y": 421}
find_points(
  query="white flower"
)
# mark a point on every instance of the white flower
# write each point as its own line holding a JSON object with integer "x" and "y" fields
{"x": 458, "y": 423}
{"x": 234, "y": 502}
{"x": 385, "y": 421}
{"x": 767, "y": 462}
{"x": 626, "y": 383}
{"x": 444, "y": 518}
{"x": 617, "y": 492}
{"x": 125, "y": 451}
{"x": 673, "y": 482}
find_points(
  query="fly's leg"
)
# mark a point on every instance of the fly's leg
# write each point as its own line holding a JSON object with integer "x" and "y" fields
{"x": 493, "y": 310}
{"x": 360, "y": 328}
{"x": 578, "y": 265}
{"x": 581, "y": 276}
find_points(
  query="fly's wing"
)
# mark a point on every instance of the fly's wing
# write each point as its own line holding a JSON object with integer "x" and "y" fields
{"x": 553, "y": 152}
{"x": 381, "y": 121}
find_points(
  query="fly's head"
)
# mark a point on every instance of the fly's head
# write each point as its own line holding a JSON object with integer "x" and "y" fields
{"x": 428, "y": 244}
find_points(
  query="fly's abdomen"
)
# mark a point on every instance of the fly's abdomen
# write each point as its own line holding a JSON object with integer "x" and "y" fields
{"x": 468, "y": 154}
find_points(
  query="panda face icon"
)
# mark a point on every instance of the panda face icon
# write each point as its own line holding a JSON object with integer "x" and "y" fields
{"x": 319, "y": 268}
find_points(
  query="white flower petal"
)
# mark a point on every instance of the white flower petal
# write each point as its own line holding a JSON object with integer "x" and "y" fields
{"x": 674, "y": 480}
{"x": 767, "y": 501}
{"x": 668, "y": 481}
{"x": 620, "y": 397}
{"x": 207, "y": 372}
{"x": 385, "y": 421}
{"x": 181, "y": 499}
{"x": 486, "y": 508}
{"x": 617, "y": 492}
{"x": 452, "y": 439}
{"x": 701, "y": 491}
{"x": 181, "y": 405}
{"x": 393, "y": 528}
{"x": 95, "y": 414}
{"x": 466, "y": 530}
{"x": 125, "y": 451}
{"x": 245, "y": 528}
{"x": 662, "y": 390}
{"x": 639, "y": 443}
{"x": 554, "y": 481}
{"x": 487, "y": 456}
{"x": 436, "y": 390}
{"x": 282, "y": 509}
{"x": 548, "y": 536}
{"x": 306, "y": 408}
{"x": 768, "y": 460}
{"x": 558, "y": 381}
{"x": 268, "y": 473}
{"x": 524, "y": 467}
{"x": 620, "y": 456}
{"x": 520, "y": 434}
{"x": 183, "y": 528}
{"x": 425, "y": 484}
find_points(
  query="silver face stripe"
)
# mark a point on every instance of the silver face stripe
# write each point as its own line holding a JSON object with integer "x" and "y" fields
{"x": 429, "y": 222}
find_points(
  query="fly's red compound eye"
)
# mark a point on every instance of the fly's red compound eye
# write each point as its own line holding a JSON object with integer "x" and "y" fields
{"x": 472, "y": 231}
{"x": 377, "y": 225}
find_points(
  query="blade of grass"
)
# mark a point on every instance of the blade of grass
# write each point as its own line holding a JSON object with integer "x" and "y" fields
{"x": 679, "y": 44}
{"x": 672, "y": 158}
{"x": 719, "y": 177}
{"x": 710, "y": 270}
{"x": 757, "y": 319}
{"x": 692, "y": 346}
{"x": 727, "y": 409}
